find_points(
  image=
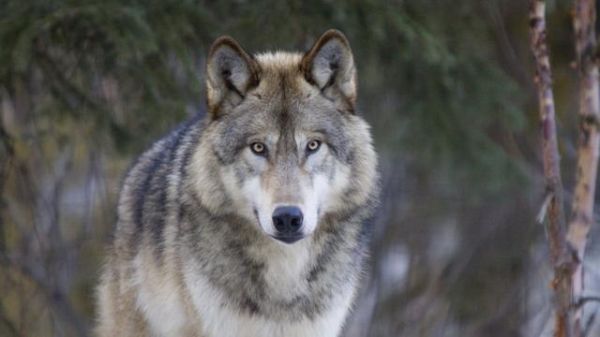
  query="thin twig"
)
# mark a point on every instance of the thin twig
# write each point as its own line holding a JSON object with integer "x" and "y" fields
{"x": 541, "y": 217}
{"x": 583, "y": 300}
{"x": 555, "y": 226}
{"x": 588, "y": 325}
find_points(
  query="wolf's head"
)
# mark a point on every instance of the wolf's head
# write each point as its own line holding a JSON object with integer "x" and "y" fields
{"x": 288, "y": 148}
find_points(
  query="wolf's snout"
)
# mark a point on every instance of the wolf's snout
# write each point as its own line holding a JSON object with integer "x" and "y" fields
{"x": 288, "y": 223}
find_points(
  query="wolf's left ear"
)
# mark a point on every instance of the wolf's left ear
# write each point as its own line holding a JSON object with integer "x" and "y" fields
{"x": 230, "y": 73}
{"x": 329, "y": 65}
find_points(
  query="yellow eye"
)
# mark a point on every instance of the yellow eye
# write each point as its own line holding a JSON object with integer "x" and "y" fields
{"x": 313, "y": 145}
{"x": 258, "y": 148}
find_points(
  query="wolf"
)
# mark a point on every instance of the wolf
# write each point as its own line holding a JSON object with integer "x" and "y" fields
{"x": 254, "y": 219}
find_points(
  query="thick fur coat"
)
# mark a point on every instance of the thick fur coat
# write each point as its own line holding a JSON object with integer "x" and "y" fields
{"x": 196, "y": 251}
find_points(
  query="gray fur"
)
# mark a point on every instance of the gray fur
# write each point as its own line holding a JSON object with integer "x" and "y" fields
{"x": 177, "y": 220}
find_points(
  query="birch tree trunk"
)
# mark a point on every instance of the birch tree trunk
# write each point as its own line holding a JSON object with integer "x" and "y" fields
{"x": 584, "y": 22}
{"x": 555, "y": 226}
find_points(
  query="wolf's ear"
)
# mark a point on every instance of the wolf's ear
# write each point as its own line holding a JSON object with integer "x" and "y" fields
{"x": 329, "y": 65}
{"x": 230, "y": 73}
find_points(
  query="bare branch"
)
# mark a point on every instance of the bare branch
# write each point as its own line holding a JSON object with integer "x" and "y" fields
{"x": 584, "y": 22}
{"x": 555, "y": 226}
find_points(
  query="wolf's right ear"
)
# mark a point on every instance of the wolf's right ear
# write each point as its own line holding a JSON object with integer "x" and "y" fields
{"x": 230, "y": 73}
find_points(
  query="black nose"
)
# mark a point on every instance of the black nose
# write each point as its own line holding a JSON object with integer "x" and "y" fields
{"x": 287, "y": 220}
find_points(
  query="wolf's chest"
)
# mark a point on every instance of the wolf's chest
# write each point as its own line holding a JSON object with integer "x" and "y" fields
{"x": 270, "y": 290}
{"x": 221, "y": 317}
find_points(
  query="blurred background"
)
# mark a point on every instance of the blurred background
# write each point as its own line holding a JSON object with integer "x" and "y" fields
{"x": 86, "y": 86}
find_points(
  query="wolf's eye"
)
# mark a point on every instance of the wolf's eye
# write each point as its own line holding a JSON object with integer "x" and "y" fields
{"x": 313, "y": 146}
{"x": 258, "y": 148}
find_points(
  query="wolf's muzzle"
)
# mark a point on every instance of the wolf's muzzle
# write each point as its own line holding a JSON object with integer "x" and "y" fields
{"x": 287, "y": 220}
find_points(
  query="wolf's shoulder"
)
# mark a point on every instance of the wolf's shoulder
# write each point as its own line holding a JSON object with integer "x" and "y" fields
{"x": 151, "y": 183}
{"x": 164, "y": 150}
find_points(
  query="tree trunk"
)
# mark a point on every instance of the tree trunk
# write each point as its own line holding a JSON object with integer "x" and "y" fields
{"x": 555, "y": 226}
{"x": 581, "y": 219}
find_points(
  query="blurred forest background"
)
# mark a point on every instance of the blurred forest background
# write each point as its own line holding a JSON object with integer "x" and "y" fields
{"x": 85, "y": 86}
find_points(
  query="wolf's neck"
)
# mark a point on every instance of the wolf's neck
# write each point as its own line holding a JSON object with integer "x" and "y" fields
{"x": 268, "y": 278}
{"x": 286, "y": 267}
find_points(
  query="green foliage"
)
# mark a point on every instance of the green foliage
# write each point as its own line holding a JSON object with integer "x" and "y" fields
{"x": 125, "y": 65}
{"x": 432, "y": 89}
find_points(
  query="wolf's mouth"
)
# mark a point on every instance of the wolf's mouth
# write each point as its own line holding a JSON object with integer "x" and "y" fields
{"x": 289, "y": 239}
